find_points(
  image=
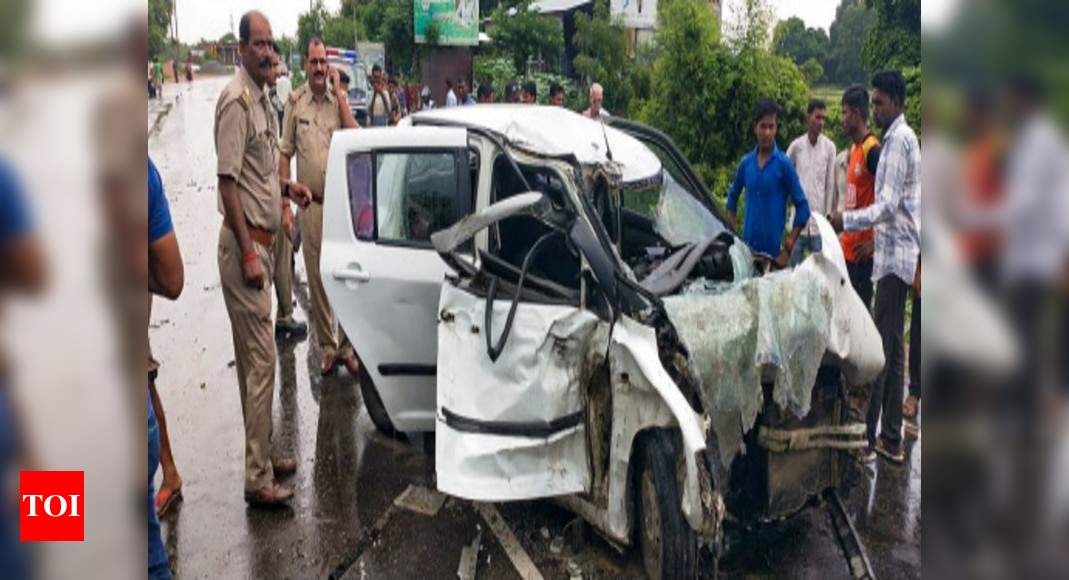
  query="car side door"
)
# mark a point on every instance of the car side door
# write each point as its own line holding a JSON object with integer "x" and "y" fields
{"x": 388, "y": 190}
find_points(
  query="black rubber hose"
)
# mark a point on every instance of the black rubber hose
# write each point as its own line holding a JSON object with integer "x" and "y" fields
{"x": 494, "y": 351}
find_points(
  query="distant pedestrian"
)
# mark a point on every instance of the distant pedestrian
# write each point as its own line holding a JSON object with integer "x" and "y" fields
{"x": 556, "y": 95}
{"x": 189, "y": 68}
{"x": 597, "y": 97}
{"x": 380, "y": 106}
{"x": 895, "y": 216}
{"x": 770, "y": 182}
{"x": 174, "y": 69}
{"x": 463, "y": 95}
{"x": 399, "y": 97}
{"x": 512, "y": 93}
{"x": 530, "y": 93}
{"x": 425, "y": 100}
{"x": 450, "y": 95}
{"x": 157, "y": 75}
{"x": 485, "y": 94}
{"x": 813, "y": 157}
{"x": 250, "y": 194}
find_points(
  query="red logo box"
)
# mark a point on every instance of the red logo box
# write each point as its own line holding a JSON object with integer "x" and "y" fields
{"x": 52, "y": 506}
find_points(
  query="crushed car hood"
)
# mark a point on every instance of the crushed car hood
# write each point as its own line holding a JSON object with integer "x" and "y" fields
{"x": 779, "y": 327}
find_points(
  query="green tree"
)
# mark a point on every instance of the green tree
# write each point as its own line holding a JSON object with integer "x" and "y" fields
{"x": 705, "y": 91}
{"x": 812, "y": 71}
{"x": 526, "y": 35}
{"x": 342, "y": 32}
{"x": 792, "y": 39}
{"x": 159, "y": 21}
{"x": 228, "y": 38}
{"x": 602, "y": 56}
{"x": 496, "y": 70}
{"x": 751, "y": 25}
{"x": 895, "y": 40}
{"x": 847, "y": 34}
{"x": 311, "y": 24}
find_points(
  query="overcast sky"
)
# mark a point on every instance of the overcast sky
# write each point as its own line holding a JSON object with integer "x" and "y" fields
{"x": 56, "y": 21}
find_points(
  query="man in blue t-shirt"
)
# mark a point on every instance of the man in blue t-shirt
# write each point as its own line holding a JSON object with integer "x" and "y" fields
{"x": 165, "y": 278}
{"x": 769, "y": 180}
{"x": 22, "y": 272}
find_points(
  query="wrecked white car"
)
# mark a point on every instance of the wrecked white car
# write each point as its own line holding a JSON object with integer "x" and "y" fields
{"x": 561, "y": 302}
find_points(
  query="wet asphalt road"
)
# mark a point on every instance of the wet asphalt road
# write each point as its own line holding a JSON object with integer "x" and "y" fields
{"x": 342, "y": 520}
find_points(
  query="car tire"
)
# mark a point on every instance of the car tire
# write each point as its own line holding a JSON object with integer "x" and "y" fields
{"x": 373, "y": 402}
{"x": 668, "y": 544}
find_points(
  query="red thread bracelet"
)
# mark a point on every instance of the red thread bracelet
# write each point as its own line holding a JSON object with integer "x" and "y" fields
{"x": 250, "y": 256}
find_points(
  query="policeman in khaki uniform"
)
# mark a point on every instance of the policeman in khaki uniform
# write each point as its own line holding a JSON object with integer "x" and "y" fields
{"x": 250, "y": 200}
{"x": 312, "y": 114}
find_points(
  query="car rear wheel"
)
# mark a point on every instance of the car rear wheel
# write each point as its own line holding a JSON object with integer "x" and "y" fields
{"x": 375, "y": 408}
{"x": 668, "y": 544}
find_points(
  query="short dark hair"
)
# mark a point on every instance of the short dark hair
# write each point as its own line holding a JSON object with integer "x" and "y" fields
{"x": 510, "y": 89}
{"x": 857, "y": 97}
{"x": 764, "y": 108}
{"x": 531, "y": 88}
{"x": 815, "y": 104}
{"x": 555, "y": 89}
{"x": 485, "y": 90}
{"x": 243, "y": 27}
{"x": 449, "y": 83}
{"x": 314, "y": 41}
{"x": 392, "y": 80}
{"x": 376, "y": 68}
{"x": 892, "y": 83}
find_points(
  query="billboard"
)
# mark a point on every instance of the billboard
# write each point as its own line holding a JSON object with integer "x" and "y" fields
{"x": 457, "y": 21}
{"x": 635, "y": 13}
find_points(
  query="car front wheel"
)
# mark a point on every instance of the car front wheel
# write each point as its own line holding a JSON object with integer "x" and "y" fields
{"x": 669, "y": 545}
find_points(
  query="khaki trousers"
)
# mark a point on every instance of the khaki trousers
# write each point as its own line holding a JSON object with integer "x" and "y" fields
{"x": 249, "y": 310}
{"x": 332, "y": 341}
{"x": 283, "y": 278}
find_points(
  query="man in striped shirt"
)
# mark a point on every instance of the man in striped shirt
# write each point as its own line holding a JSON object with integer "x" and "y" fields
{"x": 895, "y": 217}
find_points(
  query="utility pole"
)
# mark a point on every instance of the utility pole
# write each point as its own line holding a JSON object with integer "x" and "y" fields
{"x": 174, "y": 14}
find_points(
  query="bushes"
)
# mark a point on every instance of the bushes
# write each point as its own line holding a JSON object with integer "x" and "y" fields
{"x": 704, "y": 93}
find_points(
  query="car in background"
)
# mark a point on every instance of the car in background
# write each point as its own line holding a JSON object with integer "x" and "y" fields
{"x": 359, "y": 89}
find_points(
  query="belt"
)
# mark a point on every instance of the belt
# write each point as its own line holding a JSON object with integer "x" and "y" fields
{"x": 258, "y": 235}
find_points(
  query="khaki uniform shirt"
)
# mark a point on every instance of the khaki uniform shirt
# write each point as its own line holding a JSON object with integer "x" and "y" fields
{"x": 246, "y": 146}
{"x": 307, "y": 127}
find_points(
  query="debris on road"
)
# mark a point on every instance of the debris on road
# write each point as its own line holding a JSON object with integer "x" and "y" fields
{"x": 469, "y": 558}
{"x": 421, "y": 500}
{"x": 519, "y": 557}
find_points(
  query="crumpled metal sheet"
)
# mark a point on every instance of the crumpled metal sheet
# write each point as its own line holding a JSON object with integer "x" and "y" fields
{"x": 734, "y": 331}
{"x": 780, "y": 326}
{"x": 538, "y": 377}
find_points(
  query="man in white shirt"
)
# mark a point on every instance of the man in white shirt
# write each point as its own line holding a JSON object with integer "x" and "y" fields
{"x": 813, "y": 157}
{"x": 450, "y": 96}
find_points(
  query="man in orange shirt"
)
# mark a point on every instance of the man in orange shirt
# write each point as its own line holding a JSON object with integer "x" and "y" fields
{"x": 860, "y": 191}
{"x": 858, "y": 246}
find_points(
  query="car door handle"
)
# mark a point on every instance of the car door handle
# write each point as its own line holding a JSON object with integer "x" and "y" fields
{"x": 352, "y": 273}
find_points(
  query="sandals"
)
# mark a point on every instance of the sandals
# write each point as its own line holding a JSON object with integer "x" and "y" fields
{"x": 167, "y": 499}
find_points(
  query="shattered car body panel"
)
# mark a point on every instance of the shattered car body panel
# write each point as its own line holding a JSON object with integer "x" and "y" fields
{"x": 512, "y": 428}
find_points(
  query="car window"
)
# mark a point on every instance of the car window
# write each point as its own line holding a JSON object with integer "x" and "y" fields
{"x": 404, "y": 197}
{"x": 416, "y": 194}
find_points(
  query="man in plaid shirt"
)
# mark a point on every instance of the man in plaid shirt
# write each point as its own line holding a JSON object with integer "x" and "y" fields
{"x": 895, "y": 217}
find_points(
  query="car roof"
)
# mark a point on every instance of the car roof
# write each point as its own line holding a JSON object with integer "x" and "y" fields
{"x": 554, "y": 131}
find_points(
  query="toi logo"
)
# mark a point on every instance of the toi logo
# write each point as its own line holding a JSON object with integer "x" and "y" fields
{"x": 52, "y": 506}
